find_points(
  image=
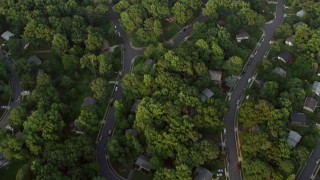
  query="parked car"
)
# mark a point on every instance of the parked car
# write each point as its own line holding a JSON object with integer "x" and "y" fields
{"x": 318, "y": 161}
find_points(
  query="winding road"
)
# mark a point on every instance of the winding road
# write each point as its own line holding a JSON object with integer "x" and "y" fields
{"x": 15, "y": 83}
{"x": 128, "y": 55}
{"x": 248, "y": 72}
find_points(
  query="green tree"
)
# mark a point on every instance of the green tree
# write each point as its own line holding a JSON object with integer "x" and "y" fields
{"x": 99, "y": 88}
{"x": 88, "y": 120}
{"x": 181, "y": 172}
{"x": 233, "y": 66}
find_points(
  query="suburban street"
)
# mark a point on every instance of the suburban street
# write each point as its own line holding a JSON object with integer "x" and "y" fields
{"x": 15, "y": 83}
{"x": 311, "y": 165}
{"x": 249, "y": 70}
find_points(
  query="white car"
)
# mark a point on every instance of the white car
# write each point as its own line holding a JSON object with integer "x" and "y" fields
{"x": 219, "y": 174}
{"x": 116, "y": 89}
{"x": 318, "y": 161}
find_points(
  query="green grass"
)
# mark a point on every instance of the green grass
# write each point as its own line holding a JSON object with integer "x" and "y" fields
{"x": 140, "y": 175}
{"x": 10, "y": 171}
{"x": 170, "y": 29}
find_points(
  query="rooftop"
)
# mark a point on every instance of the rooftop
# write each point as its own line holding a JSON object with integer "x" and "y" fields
{"x": 35, "y": 59}
{"x": 280, "y": 71}
{"x": 143, "y": 161}
{"x": 215, "y": 75}
{"x": 203, "y": 173}
{"x": 6, "y": 35}
{"x": 298, "y": 118}
{"x": 310, "y": 104}
{"x": 293, "y": 139}
{"x": 89, "y": 101}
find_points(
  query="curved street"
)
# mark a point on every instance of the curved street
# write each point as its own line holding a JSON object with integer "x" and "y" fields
{"x": 248, "y": 72}
{"x": 16, "y": 89}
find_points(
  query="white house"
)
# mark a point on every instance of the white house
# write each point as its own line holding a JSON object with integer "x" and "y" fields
{"x": 6, "y": 35}
{"x": 300, "y": 13}
{"x": 242, "y": 35}
{"x": 316, "y": 88}
{"x": 289, "y": 40}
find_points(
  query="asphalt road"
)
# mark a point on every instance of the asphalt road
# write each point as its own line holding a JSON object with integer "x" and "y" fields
{"x": 311, "y": 165}
{"x": 15, "y": 82}
{"x": 250, "y": 69}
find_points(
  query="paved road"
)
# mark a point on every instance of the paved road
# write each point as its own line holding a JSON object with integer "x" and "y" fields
{"x": 229, "y": 118}
{"x": 15, "y": 82}
{"x": 311, "y": 165}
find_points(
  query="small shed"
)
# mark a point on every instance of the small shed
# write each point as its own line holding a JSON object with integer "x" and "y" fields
{"x": 310, "y": 104}
{"x": 202, "y": 173}
{"x": 215, "y": 76}
{"x": 293, "y": 139}
{"x": 242, "y": 35}
{"x": 285, "y": 57}
{"x": 316, "y": 88}
{"x": 298, "y": 119}
{"x": 289, "y": 40}
{"x": 34, "y": 59}
{"x": 134, "y": 107}
{"x": 143, "y": 162}
{"x": 280, "y": 71}
{"x": 89, "y": 102}
{"x": 7, "y": 35}
{"x": 149, "y": 62}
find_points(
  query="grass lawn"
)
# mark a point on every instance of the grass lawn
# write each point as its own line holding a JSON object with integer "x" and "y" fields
{"x": 170, "y": 29}
{"x": 10, "y": 171}
{"x": 140, "y": 175}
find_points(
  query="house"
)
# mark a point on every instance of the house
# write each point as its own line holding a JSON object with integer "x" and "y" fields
{"x": 34, "y": 59}
{"x": 205, "y": 94}
{"x": 242, "y": 35}
{"x": 134, "y": 107}
{"x": 316, "y": 88}
{"x": 289, "y": 40}
{"x": 231, "y": 81}
{"x": 293, "y": 139}
{"x": 215, "y": 76}
{"x": 285, "y": 56}
{"x": 7, "y": 35}
{"x": 131, "y": 132}
{"x": 106, "y": 46}
{"x": 280, "y": 71}
{"x": 202, "y": 173}
{"x": 89, "y": 102}
{"x": 300, "y": 13}
{"x": 298, "y": 24}
{"x": 149, "y": 62}
{"x": 143, "y": 162}
{"x": 310, "y": 104}
{"x": 3, "y": 161}
{"x": 298, "y": 119}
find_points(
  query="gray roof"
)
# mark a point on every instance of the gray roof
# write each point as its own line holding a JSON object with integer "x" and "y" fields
{"x": 300, "y": 13}
{"x": 132, "y": 132}
{"x": 298, "y": 24}
{"x": 203, "y": 174}
{"x": 6, "y": 35}
{"x": 89, "y": 101}
{"x": 149, "y": 62}
{"x": 242, "y": 35}
{"x": 143, "y": 161}
{"x": 205, "y": 94}
{"x": 298, "y": 118}
{"x": 280, "y": 71}
{"x": 293, "y": 138}
{"x": 316, "y": 87}
{"x": 290, "y": 39}
{"x": 231, "y": 80}
{"x": 215, "y": 75}
{"x": 286, "y": 56}
{"x": 35, "y": 59}
{"x": 310, "y": 104}
{"x": 134, "y": 107}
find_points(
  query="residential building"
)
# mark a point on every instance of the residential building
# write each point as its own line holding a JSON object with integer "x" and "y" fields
{"x": 298, "y": 119}
{"x": 34, "y": 59}
{"x": 202, "y": 173}
{"x": 310, "y": 104}
{"x": 300, "y": 13}
{"x": 205, "y": 94}
{"x": 285, "y": 57}
{"x": 134, "y": 107}
{"x": 242, "y": 35}
{"x": 89, "y": 102}
{"x": 298, "y": 24}
{"x": 280, "y": 71}
{"x": 293, "y": 139}
{"x": 316, "y": 88}
{"x": 106, "y": 46}
{"x": 7, "y": 35}
{"x": 289, "y": 40}
{"x": 149, "y": 62}
{"x": 143, "y": 162}
{"x": 215, "y": 76}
